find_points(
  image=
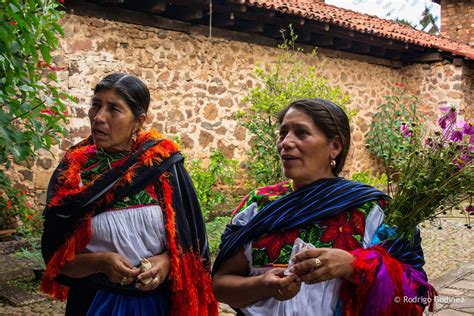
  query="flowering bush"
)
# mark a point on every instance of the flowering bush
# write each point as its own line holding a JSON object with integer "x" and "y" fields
{"x": 15, "y": 206}
{"x": 384, "y": 139}
{"x": 436, "y": 176}
{"x": 289, "y": 79}
{"x": 33, "y": 108}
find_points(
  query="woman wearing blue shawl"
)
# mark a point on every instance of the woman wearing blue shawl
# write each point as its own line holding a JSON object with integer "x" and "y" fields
{"x": 317, "y": 244}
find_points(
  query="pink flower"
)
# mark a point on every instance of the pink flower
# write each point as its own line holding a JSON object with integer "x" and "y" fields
{"x": 449, "y": 116}
{"x": 456, "y": 136}
{"x": 407, "y": 132}
{"x": 468, "y": 128}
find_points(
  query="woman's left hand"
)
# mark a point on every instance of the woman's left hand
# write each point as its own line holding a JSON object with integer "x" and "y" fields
{"x": 160, "y": 267}
{"x": 322, "y": 264}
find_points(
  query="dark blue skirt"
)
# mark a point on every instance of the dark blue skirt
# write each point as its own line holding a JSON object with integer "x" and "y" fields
{"x": 108, "y": 303}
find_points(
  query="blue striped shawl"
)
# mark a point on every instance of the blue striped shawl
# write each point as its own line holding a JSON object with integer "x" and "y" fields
{"x": 311, "y": 204}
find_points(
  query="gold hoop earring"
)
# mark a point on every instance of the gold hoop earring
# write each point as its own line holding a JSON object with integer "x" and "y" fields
{"x": 333, "y": 164}
{"x": 134, "y": 137}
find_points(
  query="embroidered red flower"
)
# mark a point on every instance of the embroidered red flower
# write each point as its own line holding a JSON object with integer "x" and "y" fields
{"x": 150, "y": 189}
{"x": 274, "y": 242}
{"x": 340, "y": 231}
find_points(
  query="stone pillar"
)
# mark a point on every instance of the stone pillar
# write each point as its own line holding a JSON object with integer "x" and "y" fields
{"x": 457, "y": 20}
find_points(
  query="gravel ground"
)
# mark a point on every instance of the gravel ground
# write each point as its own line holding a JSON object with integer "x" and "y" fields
{"x": 445, "y": 249}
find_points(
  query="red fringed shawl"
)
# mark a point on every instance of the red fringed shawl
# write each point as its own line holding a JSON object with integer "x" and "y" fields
{"x": 190, "y": 279}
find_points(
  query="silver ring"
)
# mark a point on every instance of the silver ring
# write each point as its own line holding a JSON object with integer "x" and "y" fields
{"x": 124, "y": 281}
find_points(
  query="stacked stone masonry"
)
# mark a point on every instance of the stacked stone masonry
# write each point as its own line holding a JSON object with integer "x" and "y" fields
{"x": 457, "y": 21}
{"x": 197, "y": 84}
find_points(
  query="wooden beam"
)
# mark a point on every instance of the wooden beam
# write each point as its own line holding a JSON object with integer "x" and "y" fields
{"x": 429, "y": 57}
{"x": 223, "y": 19}
{"x": 183, "y": 13}
{"x": 188, "y": 2}
{"x": 273, "y": 31}
{"x": 321, "y": 40}
{"x": 458, "y": 62}
{"x": 110, "y": 2}
{"x": 378, "y": 51}
{"x": 153, "y": 6}
{"x": 304, "y": 36}
{"x": 228, "y": 8}
{"x": 127, "y": 16}
{"x": 256, "y": 15}
{"x": 393, "y": 54}
{"x": 341, "y": 44}
{"x": 360, "y": 47}
{"x": 249, "y": 26}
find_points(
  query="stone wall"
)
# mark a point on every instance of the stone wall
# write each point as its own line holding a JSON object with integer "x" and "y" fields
{"x": 457, "y": 21}
{"x": 441, "y": 84}
{"x": 197, "y": 84}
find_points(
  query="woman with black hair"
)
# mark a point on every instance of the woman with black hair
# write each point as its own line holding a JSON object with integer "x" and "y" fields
{"x": 123, "y": 231}
{"x": 317, "y": 244}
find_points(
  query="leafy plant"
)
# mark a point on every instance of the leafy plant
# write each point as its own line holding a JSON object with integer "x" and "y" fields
{"x": 33, "y": 255}
{"x": 384, "y": 139}
{"x": 436, "y": 176}
{"x": 215, "y": 229}
{"x": 13, "y": 204}
{"x": 32, "y": 108}
{"x": 220, "y": 171}
{"x": 378, "y": 180}
{"x": 290, "y": 79}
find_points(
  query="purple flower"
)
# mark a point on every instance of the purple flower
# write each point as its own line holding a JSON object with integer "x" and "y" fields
{"x": 442, "y": 122}
{"x": 470, "y": 209}
{"x": 468, "y": 129}
{"x": 448, "y": 117}
{"x": 456, "y": 136}
{"x": 407, "y": 132}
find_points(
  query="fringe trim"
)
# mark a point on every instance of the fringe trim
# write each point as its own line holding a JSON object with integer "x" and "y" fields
{"x": 191, "y": 284}
{"x": 67, "y": 252}
{"x": 381, "y": 283}
{"x": 70, "y": 179}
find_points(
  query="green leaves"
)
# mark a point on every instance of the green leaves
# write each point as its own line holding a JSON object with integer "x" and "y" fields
{"x": 32, "y": 32}
{"x": 384, "y": 139}
{"x": 289, "y": 79}
{"x": 31, "y": 105}
{"x": 219, "y": 172}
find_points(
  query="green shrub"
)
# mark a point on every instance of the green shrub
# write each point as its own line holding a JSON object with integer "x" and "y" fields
{"x": 215, "y": 229}
{"x": 32, "y": 107}
{"x": 220, "y": 171}
{"x": 384, "y": 139}
{"x": 379, "y": 180}
{"x": 290, "y": 79}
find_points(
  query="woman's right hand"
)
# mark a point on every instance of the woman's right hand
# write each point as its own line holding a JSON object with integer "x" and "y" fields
{"x": 118, "y": 269}
{"x": 283, "y": 287}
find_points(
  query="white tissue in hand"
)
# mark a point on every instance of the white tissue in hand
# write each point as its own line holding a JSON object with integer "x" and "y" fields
{"x": 145, "y": 265}
{"x": 298, "y": 246}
